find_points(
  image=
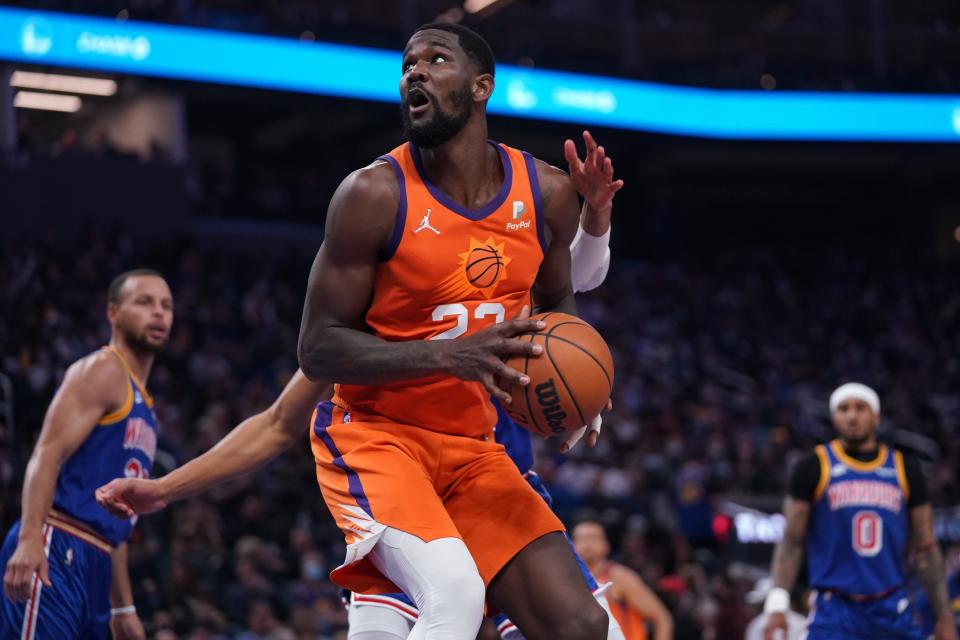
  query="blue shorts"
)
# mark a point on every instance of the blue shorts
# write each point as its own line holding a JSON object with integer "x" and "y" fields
{"x": 834, "y": 617}
{"x": 403, "y": 605}
{"x": 77, "y": 605}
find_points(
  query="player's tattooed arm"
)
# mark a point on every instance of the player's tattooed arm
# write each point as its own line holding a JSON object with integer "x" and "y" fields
{"x": 928, "y": 561}
{"x": 788, "y": 554}
{"x": 787, "y": 557}
{"x": 333, "y": 346}
{"x": 553, "y": 289}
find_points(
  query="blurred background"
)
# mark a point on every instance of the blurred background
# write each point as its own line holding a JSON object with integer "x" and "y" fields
{"x": 790, "y": 221}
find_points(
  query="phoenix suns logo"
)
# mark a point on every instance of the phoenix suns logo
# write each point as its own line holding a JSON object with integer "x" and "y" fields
{"x": 482, "y": 266}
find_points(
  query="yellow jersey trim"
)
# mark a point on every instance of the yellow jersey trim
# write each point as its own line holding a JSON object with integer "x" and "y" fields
{"x": 121, "y": 413}
{"x": 855, "y": 464}
{"x": 65, "y": 523}
{"x": 142, "y": 387}
{"x": 901, "y": 474}
{"x": 821, "y": 452}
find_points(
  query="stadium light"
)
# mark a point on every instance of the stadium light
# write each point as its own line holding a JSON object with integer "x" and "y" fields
{"x": 63, "y": 83}
{"x": 47, "y": 101}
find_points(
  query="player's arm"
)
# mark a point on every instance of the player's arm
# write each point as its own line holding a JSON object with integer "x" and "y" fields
{"x": 124, "y": 622}
{"x": 787, "y": 558}
{"x": 553, "y": 288}
{"x": 928, "y": 565}
{"x": 331, "y": 347}
{"x": 593, "y": 179}
{"x": 788, "y": 554}
{"x": 252, "y": 444}
{"x": 640, "y": 597}
{"x": 927, "y": 559}
{"x": 92, "y": 388}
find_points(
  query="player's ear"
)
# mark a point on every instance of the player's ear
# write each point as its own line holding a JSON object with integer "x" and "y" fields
{"x": 482, "y": 87}
{"x": 112, "y": 310}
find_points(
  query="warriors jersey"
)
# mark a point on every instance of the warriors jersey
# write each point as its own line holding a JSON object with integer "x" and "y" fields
{"x": 449, "y": 272}
{"x": 858, "y": 526}
{"x": 122, "y": 444}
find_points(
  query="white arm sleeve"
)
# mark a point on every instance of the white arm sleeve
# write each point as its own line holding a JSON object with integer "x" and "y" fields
{"x": 590, "y": 260}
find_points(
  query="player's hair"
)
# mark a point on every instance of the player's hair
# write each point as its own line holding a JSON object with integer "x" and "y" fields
{"x": 113, "y": 291}
{"x": 593, "y": 523}
{"x": 472, "y": 43}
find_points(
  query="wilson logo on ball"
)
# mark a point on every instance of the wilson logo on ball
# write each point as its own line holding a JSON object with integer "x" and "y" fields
{"x": 570, "y": 381}
{"x": 549, "y": 401}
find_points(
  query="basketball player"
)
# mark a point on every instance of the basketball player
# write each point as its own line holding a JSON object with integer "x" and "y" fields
{"x": 406, "y": 458}
{"x": 66, "y": 558}
{"x": 391, "y": 616}
{"x": 264, "y": 436}
{"x": 632, "y": 602}
{"x": 858, "y": 506}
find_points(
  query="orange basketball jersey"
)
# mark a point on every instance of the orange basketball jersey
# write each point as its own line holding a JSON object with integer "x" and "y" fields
{"x": 631, "y": 621}
{"x": 447, "y": 273}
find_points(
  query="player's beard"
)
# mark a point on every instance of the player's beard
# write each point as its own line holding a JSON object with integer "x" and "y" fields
{"x": 858, "y": 439}
{"x": 139, "y": 343}
{"x": 442, "y": 126}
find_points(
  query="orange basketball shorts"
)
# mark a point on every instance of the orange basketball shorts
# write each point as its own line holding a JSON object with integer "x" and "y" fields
{"x": 375, "y": 475}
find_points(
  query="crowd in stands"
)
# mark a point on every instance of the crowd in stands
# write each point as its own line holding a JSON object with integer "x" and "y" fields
{"x": 723, "y": 369}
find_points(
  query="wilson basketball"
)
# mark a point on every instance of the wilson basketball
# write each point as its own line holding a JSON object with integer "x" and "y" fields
{"x": 483, "y": 266}
{"x": 570, "y": 381}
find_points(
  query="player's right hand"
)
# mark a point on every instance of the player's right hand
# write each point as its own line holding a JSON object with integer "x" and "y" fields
{"x": 28, "y": 559}
{"x": 126, "y": 627}
{"x": 479, "y": 356}
{"x": 776, "y": 627}
{"x": 127, "y": 497}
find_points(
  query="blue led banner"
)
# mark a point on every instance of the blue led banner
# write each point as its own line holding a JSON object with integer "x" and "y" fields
{"x": 203, "y": 55}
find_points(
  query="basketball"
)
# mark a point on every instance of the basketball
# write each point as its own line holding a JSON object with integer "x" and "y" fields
{"x": 570, "y": 382}
{"x": 483, "y": 266}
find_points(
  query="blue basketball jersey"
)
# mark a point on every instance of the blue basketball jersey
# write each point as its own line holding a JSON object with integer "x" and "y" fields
{"x": 514, "y": 438}
{"x": 122, "y": 444}
{"x": 858, "y": 530}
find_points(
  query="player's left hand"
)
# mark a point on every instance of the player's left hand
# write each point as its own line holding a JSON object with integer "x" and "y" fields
{"x": 593, "y": 428}
{"x": 592, "y": 176}
{"x": 946, "y": 628}
{"x": 127, "y": 626}
{"x": 127, "y": 497}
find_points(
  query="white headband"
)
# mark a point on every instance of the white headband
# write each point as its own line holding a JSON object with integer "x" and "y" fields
{"x": 855, "y": 391}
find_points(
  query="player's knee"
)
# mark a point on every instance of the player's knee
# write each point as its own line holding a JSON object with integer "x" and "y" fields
{"x": 458, "y": 595}
{"x": 587, "y": 623}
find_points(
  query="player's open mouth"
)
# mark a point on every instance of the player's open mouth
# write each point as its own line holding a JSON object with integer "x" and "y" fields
{"x": 157, "y": 332}
{"x": 417, "y": 101}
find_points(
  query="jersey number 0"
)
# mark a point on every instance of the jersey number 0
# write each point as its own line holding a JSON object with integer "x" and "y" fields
{"x": 867, "y": 533}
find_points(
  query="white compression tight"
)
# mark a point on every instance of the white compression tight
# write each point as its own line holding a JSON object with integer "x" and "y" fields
{"x": 377, "y": 622}
{"x": 439, "y": 576}
{"x": 381, "y": 622}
